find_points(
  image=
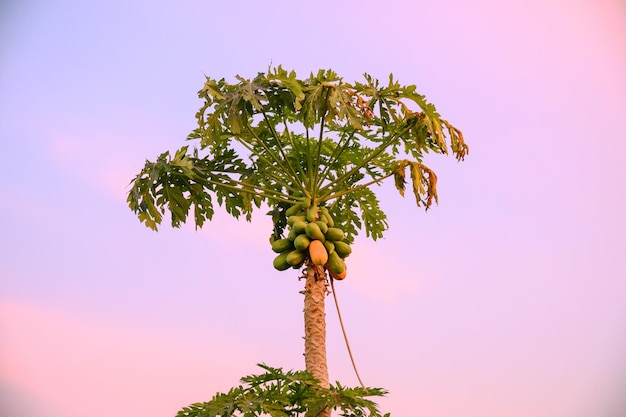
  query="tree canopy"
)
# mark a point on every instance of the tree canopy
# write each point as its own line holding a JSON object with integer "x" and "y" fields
{"x": 280, "y": 140}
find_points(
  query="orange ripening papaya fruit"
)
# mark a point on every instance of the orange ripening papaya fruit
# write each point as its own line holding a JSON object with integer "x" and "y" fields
{"x": 338, "y": 276}
{"x": 318, "y": 253}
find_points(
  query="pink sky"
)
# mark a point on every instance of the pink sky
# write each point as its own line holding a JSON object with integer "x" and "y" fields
{"x": 507, "y": 299}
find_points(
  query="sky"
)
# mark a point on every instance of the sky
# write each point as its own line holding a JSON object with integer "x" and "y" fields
{"x": 506, "y": 299}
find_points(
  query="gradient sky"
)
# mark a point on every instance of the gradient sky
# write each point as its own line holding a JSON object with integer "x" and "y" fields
{"x": 506, "y": 300}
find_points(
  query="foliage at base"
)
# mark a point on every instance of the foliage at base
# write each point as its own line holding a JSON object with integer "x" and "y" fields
{"x": 277, "y": 393}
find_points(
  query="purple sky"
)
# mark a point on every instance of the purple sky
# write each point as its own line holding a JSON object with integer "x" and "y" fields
{"x": 506, "y": 300}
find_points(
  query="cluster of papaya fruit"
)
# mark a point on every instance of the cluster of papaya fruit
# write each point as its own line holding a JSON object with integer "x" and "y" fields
{"x": 312, "y": 235}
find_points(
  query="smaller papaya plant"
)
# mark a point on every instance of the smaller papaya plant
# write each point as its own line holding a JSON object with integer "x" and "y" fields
{"x": 311, "y": 150}
{"x": 278, "y": 393}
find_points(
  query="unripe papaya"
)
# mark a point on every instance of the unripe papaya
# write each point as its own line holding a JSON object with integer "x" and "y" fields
{"x": 299, "y": 226}
{"x": 318, "y": 253}
{"x": 294, "y": 210}
{"x": 292, "y": 235}
{"x": 301, "y": 242}
{"x": 280, "y": 262}
{"x": 292, "y": 219}
{"x": 306, "y": 203}
{"x": 326, "y": 218}
{"x": 311, "y": 214}
{"x": 313, "y": 231}
{"x": 330, "y": 247}
{"x": 342, "y": 249}
{"x": 325, "y": 215}
{"x": 336, "y": 264}
{"x": 334, "y": 234}
{"x": 295, "y": 257}
{"x": 323, "y": 226}
{"x": 331, "y": 222}
{"x": 281, "y": 245}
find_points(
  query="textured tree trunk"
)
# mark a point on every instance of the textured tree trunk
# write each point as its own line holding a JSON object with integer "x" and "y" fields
{"x": 315, "y": 326}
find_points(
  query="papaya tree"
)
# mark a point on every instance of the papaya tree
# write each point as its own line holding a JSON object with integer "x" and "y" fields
{"x": 310, "y": 151}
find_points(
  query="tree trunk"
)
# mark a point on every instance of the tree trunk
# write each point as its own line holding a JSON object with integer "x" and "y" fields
{"x": 315, "y": 326}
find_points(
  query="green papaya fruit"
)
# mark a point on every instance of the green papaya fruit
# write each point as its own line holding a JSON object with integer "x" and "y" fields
{"x": 313, "y": 231}
{"x": 311, "y": 214}
{"x": 292, "y": 219}
{"x": 323, "y": 226}
{"x": 334, "y": 234}
{"x": 299, "y": 226}
{"x": 336, "y": 264}
{"x": 343, "y": 249}
{"x": 330, "y": 246}
{"x": 281, "y": 245}
{"x": 292, "y": 235}
{"x": 280, "y": 262}
{"x": 295, "y": 257}
{"x": 306, "y": 203}
{"x": 294, "y": 210}
{"x": 301, "y": 242}
{"x": 326, "y": 218}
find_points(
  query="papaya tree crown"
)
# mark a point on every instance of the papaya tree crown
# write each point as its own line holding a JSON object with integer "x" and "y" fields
{"x": 280, "y": 140}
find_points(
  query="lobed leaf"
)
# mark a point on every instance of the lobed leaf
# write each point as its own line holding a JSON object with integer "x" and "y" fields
{"x": 286, "y": 394}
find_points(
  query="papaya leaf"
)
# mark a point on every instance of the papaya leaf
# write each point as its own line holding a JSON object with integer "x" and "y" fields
{"x": 424, "y": 183}
{"x": 399, "y": 171}
{"x": 281, "y": 393}
{"x": 289, "y": 81}
{"x": 374, "y": 219}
